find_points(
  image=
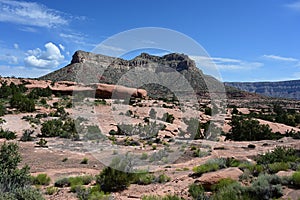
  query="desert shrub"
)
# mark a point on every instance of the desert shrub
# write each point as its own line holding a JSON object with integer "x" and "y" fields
{"x": 41, "y": 179}
{"x": 167, "y": 197}
{"x": 100, "y": 102}
{"x": 146, "y": 131}
{"x": 169, "y": 118}
{"x": 223, "y": 183}
{"x": 194, "y": 128}
{"x": 51, "y": 128}
{"x": 51, "y": 190}
{"x": 36, "y": 93}
{"x": 84, "y": 161}
{"x": 117, "y": 176}
{"x": 26, "y": 137}
{"x": 296, "y": 179}
{"x": 22, "y": 103}
{"x": 42, "y": 142}
{"x": 251, "y": 168}
{"x": 197, "y": 192}
{"x": 93, "y": 133}
{"x": 207, "y": 167}
{"x": 233, "y": 191}
{"x": 144, "y": 156}
{"x": 144, "y": 178}
{"x": 63, "y": 182}
{"x": 15, "y": 183}
{"x": 207, "y": 111}
{"x": 214, "y": 165}
{"x": 58, "y": 128}
{"x": 7, "y": 134}
{"x": 162, "y": 178}
{"x": 278, "y": 166}
{"x": 152, "y": 113}
{"x": 28, "y": 194}
{"x": 2, "y": 109}
{"x": 8, "y": 90}
{"x": 246, "y": 129}
{"x": 279, "y": 154}
{"x": 31, "y": 119}
{"x": 265, "y": 187}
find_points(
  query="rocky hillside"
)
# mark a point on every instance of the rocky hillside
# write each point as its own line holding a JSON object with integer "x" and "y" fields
{"x": 92, "y": 68}
{"x": 89, "y": 67}
{"x": 281, "y": 89}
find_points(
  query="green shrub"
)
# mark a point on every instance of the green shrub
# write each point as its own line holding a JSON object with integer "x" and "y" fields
{"x": 22, "y": 103}
{"x": 144, "y": 179}
{"x": 84, "y": 161}
{"x": 197, "y": 192}
{"x": 117, "y": 176}
{"x": 144, "y": 156}
{"x": 93, "y": 133}
{"x": 26, "y": 137}
{"x": 42, "y": 143}
{"x": 63, "y": 182}
{"x": 162, "y": 178}
{"x": 152, "y": 113}
{"x": 169, "y": 118}
{"x": 36, "y": 93}
{"x": 80, "y": 180}
{"x": 51, "y": 190}
{"x": 199, "y": 170}
{"x": 233, "y": 191}
{"x": 296, "y": 179}
{"x": 279, "y": 154}
{"x": 9, "y": 135}
{"x": 15, "y": 183}
{"x": 278, "y": 166}
{"x": 246, "y": 129}
{"x": 254, "y": 169}
{"x": 167, "y": 197}
{"x": 223, "y": 183}
{"x": 41, "y": 179}
{"x": 52, "y": 128}
{"x": 266, "y": 187}
{"x": 2, "y": 109}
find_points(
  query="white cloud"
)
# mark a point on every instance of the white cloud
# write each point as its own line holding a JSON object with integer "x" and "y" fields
{"x": 224, "y": 64}
{"x": 77, "y": 38}
{"x": 10, "y": 59}
{"x": 21, "y": 71}
{"x": 280, "y": 58}
{"x": 16, "y": 46}
{"x": 30, "y": 13}
{"x": 294, "y": 5}
{"x": 61, "y": 47}
{"x": 50, "y": 58}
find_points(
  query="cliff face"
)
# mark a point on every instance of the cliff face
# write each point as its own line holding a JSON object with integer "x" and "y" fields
{"x": 95, "y": 68}
{"x": 281, "y": 89}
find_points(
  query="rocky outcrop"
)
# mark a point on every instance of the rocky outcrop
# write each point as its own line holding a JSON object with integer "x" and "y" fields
{"x": 281, "y": 89}
{"x": 87, "y": 67}
{"x": 98, "y": 90}
{"x": 209, "y": 179}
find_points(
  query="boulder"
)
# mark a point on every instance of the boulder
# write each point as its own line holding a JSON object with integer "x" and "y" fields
{"x": 212, "y": 178}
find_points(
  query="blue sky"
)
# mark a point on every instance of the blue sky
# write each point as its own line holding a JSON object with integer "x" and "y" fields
{"x": 251, "y": 40}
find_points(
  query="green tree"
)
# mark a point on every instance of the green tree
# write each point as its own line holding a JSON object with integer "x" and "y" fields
{"x": 22, "y": 103}
{"x": 246, "y": 129}
{"x": 15, "y": 183}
